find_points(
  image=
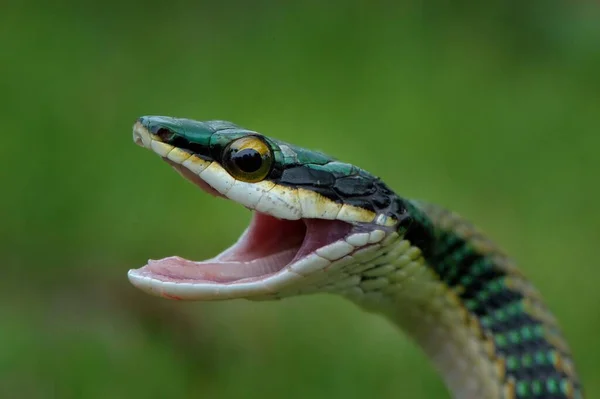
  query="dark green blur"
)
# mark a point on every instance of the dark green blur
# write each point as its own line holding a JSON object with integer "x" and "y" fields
{"x": 488, "y": 108}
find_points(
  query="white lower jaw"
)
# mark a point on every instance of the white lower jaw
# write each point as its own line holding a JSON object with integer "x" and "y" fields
{"x": 296, "y": 274}
{"x": 212, "y": 291}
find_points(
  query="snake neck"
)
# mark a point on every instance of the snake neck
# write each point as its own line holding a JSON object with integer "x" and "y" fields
{"x": 481, "y": 323}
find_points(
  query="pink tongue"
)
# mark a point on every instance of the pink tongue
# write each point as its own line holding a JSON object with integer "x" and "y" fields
{"x": 269, "y": 245}
{"x": 179, "y": 269}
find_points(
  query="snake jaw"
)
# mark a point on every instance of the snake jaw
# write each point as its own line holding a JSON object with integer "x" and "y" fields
{"x": 260, "y": 262}
{"x": 294, "y": 233}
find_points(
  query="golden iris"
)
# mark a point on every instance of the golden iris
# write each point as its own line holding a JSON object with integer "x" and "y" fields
{"x": 248, "y": 159}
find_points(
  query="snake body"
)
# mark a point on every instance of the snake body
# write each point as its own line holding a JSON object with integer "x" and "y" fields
{"x": 322, "y": 225}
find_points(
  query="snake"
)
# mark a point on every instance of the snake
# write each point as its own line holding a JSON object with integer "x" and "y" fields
{"x": 320, "y": 225}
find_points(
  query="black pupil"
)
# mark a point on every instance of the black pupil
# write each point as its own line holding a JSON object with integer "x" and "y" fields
{"x": 248, "y": 160}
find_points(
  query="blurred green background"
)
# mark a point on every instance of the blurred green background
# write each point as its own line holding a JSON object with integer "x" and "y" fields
{"x": 491, "y": 109}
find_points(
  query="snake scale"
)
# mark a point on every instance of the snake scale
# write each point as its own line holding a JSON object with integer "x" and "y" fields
{"x": 322, "y": 225}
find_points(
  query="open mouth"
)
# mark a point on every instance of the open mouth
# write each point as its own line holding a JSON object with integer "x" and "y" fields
{"x": 265, "y": 248}
{"x": 268, "y": 245}
{"x": 281, "y": 245}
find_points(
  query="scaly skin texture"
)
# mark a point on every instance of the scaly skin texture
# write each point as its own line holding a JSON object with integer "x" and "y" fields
{"x": 475, "y": 315}
{"x": 483, "y": 325}
{"x": 504, "y": 312}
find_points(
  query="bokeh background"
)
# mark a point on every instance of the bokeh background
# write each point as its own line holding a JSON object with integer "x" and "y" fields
{"x": 489, "y": 108}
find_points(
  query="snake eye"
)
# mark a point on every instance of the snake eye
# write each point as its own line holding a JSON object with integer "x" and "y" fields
{"x": 248, "y": 159}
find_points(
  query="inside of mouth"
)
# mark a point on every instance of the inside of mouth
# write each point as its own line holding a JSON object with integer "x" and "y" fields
{"x": 265, "y": 248}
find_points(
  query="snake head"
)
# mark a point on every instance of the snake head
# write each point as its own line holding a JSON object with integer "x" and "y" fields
{"x": 311, "y": 212}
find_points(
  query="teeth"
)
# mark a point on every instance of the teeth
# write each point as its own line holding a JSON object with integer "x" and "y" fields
{"x": 161, "y": 149}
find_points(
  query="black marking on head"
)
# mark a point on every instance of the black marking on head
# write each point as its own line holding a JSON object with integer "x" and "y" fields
{"x": 351, "y": 186}
{"x": 344, "y": 184}
{"x": 172, "y": 138}
{"x": 303, "y": 176}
